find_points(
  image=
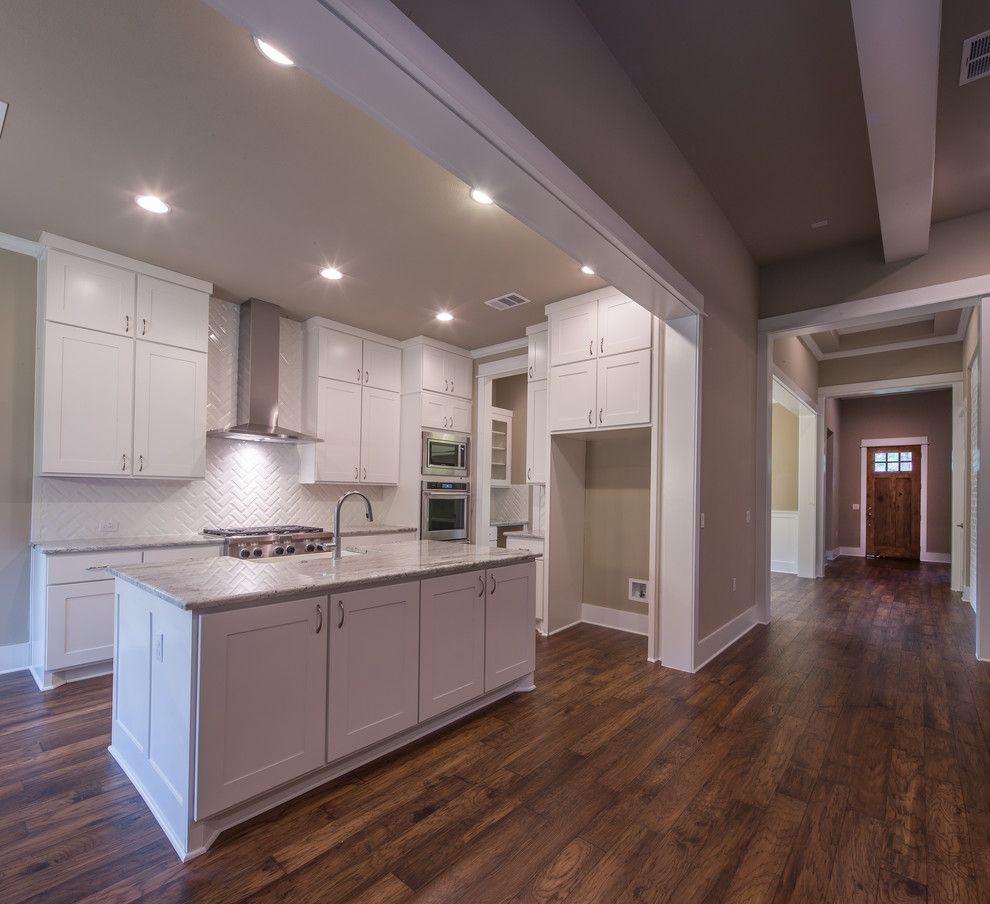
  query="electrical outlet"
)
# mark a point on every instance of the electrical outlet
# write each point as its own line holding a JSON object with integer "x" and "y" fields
{"x": 855, "y": 506}
{"x": 702, "y": 520}
{"x": 637, "y": 590}
{"x": 733, "y": 585}
{"x": 108, "y": 527}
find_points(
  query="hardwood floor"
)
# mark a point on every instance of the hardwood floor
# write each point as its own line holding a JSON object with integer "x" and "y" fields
{"x": 840, "y": 754}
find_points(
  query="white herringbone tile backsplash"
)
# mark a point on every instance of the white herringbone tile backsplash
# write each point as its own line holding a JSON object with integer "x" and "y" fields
{"x": 246, "y": 483}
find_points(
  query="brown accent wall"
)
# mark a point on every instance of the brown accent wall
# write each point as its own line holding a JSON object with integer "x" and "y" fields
{"x": 784, "y": 460}
{"x": 18, "y": 274}
{"x": 908, "y": 414}
{"x": 587, "y": 111}
{"x": 511, "y": 393}
{"x": 616, "y": 519}
{"x": 904, "y": 362}
{"x": 791, "y": 356}
{"x": 959, "y": 249}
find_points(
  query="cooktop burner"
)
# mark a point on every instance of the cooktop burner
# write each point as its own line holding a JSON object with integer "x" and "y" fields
{"x": 280, "y": 529}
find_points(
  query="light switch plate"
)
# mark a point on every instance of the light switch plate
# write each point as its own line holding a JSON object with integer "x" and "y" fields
{"x": 855, "y": 506}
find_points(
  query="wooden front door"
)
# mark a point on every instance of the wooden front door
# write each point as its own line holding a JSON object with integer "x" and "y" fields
{"x": 893, "y": 502}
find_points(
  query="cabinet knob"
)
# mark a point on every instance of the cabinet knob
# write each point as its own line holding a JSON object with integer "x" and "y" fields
{"x": 446, "y": 385}
{"x": 451, "y": 385}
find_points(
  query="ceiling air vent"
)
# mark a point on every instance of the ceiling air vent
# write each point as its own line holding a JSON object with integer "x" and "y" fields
{"x": 504, "y": 302}
{"x": 975, "y": 58}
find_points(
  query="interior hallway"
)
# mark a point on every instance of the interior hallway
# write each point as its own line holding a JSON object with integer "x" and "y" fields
{"x": 840, "y": 754}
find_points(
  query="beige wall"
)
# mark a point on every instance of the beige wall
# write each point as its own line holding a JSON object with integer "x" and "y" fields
{"x": 791, "y": 356}
{"x": 784, "y": 460}
{"x": 17, "y": 330}
{"x": 616, "y": 519}
{"x": 959, "y": 249}
{"x": 880, "y": 417}
{"x": 590, "y": 115}
{"x": 905, "y": 362}
{"x": 510, "y": 393}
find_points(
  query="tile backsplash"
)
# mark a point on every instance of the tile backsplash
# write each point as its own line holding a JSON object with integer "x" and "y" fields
{"x": 246, "y": 483}
{"x": 510, "y": 503}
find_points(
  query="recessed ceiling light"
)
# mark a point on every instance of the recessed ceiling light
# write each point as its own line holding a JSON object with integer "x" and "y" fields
{"x": 273, "y": 53}
{"x": 480, "y": 196}
{"x": 586, "y": 270}
{"x": 445, "y": 316}
{"x": 331, "y": 273}
{"x": 152, "y": 204}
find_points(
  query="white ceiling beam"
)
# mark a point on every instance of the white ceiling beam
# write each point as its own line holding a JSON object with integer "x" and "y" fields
{"x": 897, "y": 43}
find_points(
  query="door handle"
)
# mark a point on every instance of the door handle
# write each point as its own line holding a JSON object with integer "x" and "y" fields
{"x": 340, "y": 607}
{"x": 319, "y": 615}
{"x": 481, "y": 585}
{"x": 491, "y": 589}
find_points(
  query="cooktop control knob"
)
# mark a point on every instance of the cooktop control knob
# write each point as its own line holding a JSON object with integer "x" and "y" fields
{"x": 244, "y": 553}
{"x": 310, "y": 547}
{"x": 256, "y": 552}
{"x": 279, "y": 550}
{"x": 289, "y": 550}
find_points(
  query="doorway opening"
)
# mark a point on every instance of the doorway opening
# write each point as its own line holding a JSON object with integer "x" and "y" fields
{"x": 894, "y": 478}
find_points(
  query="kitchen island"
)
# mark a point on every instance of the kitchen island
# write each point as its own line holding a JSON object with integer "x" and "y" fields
{"x": 239, "y": 685}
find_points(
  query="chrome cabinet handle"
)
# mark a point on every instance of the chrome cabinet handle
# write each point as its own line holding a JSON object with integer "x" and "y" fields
{"x": 591, "y": 347}
{"x": 481, "y": 585}
{"x": 529, "y": 473}
{"x": 451, "y": 385}
{"x": 366, "y": 376}
{"x": 319, "y": 615}
{"x": 365, "y": 476}
{"x": 359, "y": 375}
{"x": 446, "y": 385}
{"x": 591, "y": 420}
{"x": 144, "y": 326}
{"x": 127, "y": 323}
{"x": 96, "y": 567}
{"x": 491, "y": 590}
{"x": 531, "y": 371}
{"x": 601, "y": 415}
{"x": 123, "y": 462}
{"x": 340, "y": 607}
{"x": 356, "y": 472}
{"x": 140, "y": 463}
{"x": 601, "y": 345}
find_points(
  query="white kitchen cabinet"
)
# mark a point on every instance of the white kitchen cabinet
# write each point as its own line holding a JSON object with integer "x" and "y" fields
{"x": 86, "y": 293}
{"x": 623, "y": 326}
{"x": 374, "y": 666}
{"x": 382, "y": 366}
{"x": 574, "y": 334}
{"x": 573, "y": 396}
{"x": 340, "y": 356}
{"x": 262, "y": 699}
{"x": 537, "y": 438}
{"x": 435, "y": 369}
{"x": 380, "y": 415}
{"x": 500, "y": 421}
{"x": 460, "y": 371}
{"x": 538, "y": 354}
{"x": 80, "y": 624}
{"x": 452, "y": 642}
{"x": 170, "y": 397}
{"x": 172, "y": 314}
{"x": 535, "y": 545}
{"x": 87, "y": 402}
{"x": 441, "y": 412}
{"x": 510, "y": 641}
{"x": 338, "y": 422}
{"x": 624, "y": 389}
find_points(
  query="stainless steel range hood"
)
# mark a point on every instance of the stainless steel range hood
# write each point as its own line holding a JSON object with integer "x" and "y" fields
{"x": 257, "y": 379}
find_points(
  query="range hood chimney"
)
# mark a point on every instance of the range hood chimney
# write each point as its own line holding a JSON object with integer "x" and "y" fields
{"x": 257, "y": 379}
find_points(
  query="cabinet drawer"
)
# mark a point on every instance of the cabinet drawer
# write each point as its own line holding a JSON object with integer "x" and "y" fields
{"x": 181, "y": 553}
{"x": 80, "y": 624}
{"x": 88, "y": 566}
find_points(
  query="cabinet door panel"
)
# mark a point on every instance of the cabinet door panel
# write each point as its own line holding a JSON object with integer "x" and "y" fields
{"x": 374, "y": 666}
{"x": 436, "y": 411}
{"x": 459, "y": 371}
{"x": 85, "y": 293}
{"x": 538, "y": 355}
{"x": 262, "y": 699}
{"x": 623, "y": 326}
{"x": 169, "y": 411}
{"x": 380, "y": 412}
{"x": 624, "y": 389}
{"x": 460, "y": 416}
{"x": 510, "y": 635}
{"x": 340, "y": 356}
{"x": 338, "y": 418}
{"x": 536, "y": 432}
{"x": 572, "y": 396}
{"x": 434, "y": 377}
{"x": 87, "y": 416}
{"x": 171, "y": 314}
{"x": 452, "y": 642}
{"x": 574, "y": 334}
{"x": 80, "y": 624}
{"x": 382, "y": 366}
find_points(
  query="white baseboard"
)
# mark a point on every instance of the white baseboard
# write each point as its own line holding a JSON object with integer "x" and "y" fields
{"x": 857, "y": 551}
{"x": 943, "y": 558}
{"x": 783, "y": 567}
{"x": 15, "y": 657}
{"x": 722, "y": 638}
{"x": 604, "y": 617}
{"x": 564, "y": 628}
{"x": 831, "y": 554}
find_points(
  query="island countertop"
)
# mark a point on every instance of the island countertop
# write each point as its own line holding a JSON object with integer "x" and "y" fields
{"x": 225, "y": 582}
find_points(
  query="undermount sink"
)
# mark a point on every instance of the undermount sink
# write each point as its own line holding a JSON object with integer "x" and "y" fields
{"x": 307, "y": 557}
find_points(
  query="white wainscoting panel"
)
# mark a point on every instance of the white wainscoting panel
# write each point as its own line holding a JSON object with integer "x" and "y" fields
{"x": 784, "y": 542}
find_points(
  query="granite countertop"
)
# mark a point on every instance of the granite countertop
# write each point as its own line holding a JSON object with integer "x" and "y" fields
{"x": 516, "y": 523}
{"x": 108, "y": 544}
{"x": 528, "y": 535}
{"x": 212, "y": 584}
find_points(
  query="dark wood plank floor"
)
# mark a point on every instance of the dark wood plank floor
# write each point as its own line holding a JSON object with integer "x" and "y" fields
{"x": 839, "y": 755}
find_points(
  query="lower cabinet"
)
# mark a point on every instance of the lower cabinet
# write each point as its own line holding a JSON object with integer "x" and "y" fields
{"x": 374, "y": 666}
{"x": 80, "y": 624}
{"x": 262, "y": 700}
{"x": 510, "y": 641}
{"x": 452, "y": 642}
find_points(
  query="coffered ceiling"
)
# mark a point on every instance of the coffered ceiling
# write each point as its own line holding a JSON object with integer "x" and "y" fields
{"x": 939, "y": 328}
{"x": 269, "y": 175}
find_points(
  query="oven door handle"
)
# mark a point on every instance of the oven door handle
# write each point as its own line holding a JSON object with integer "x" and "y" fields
{"x": 449, "y": 494}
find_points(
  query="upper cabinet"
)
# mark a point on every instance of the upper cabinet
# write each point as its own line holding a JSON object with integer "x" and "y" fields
{"x": 382, "y": 366}
{"x": 538, "y": 338}
{"x": 601, "y": 363}
{"x": 435, "y": 367}
{"x": 352, "y": 359}
{"x": 122, "y": 366}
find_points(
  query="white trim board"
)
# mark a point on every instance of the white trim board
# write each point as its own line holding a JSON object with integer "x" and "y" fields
{"x": 617, "y": 619}
{"x": 20, "y": 246}
{"x": 500, "y": 348}
{"x": 722, "y": 638}
{"x": 15, "y": 657}
{"x": 504, "y": 367}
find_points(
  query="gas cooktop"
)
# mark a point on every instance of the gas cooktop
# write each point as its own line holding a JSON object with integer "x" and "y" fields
{"x": 269, "y": 530}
